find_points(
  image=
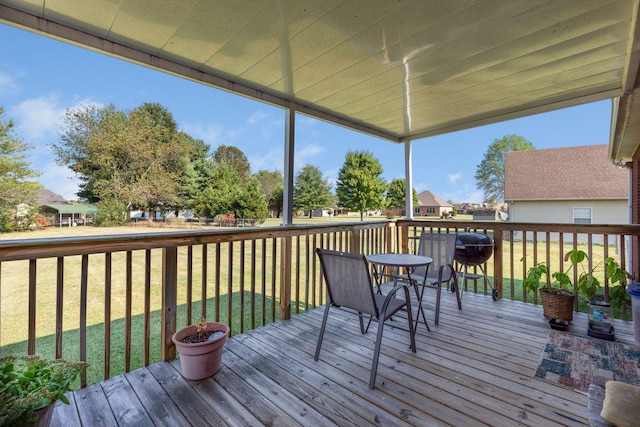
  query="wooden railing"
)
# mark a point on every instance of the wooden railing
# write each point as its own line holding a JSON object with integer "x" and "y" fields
{"x": 115, "y": 301}
{"x": 518, "y": 246}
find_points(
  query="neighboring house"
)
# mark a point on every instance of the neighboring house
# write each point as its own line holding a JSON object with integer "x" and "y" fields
{"x": 428, "y": 205}
{"x": 464, "y": 208}
{"x": 47, "y": 197}
{"x": 576, "y": 185}
{"x": 60, "y": 212}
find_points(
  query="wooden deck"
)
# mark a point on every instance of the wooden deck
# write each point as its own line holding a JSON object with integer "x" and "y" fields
{"x": 475, "y": 368}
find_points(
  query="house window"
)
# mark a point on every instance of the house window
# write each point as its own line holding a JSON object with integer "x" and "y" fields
{"x": 431, "y": 210}
{"x": 582, "y": 215}
{"x": 417, "y": 210}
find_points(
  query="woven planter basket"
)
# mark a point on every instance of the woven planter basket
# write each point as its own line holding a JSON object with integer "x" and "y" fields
{"x": 557, "y": 305}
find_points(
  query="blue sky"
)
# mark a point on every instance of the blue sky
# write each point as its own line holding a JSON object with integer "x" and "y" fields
{"x": 40, "y": 78}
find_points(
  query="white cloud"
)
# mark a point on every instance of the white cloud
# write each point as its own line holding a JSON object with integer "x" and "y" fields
{"x": 258, "y": 117}
{"x": 454, "y": 177}
{"x": 60, "y": 180}
{"x": 8, "y": 84}
{"x": 420, "y": 187}
{"x": 266, "y": 123}
{"x": 41, "y": 118}
{"x": 306, "y": 154}
{"x": 38, "y": 118}
{"x": 272, "y": 160}
{"x": 213, "y": 134}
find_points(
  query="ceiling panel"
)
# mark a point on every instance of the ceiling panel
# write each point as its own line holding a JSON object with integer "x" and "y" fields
{"x": 398, "y": 69}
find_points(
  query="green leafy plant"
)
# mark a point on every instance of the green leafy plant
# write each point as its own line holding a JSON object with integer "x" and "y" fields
{"x": 587, "y": 283}
{"x": 30, "y": 383}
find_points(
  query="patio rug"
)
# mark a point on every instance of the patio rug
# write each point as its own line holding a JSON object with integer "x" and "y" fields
{"x": 576, "y": 360}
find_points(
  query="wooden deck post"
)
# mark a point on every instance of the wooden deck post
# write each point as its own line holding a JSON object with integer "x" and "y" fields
{"x": 497, "y": 261}
{"x": 285, "y": 277}
{"x": 354, "y": 242}
{"x": 169, "y": 301}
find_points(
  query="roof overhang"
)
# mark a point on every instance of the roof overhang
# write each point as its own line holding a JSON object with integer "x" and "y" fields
{"x": 399, "y": 70}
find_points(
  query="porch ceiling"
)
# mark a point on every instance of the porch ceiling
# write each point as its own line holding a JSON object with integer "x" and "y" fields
{"x": 395, "y": 69}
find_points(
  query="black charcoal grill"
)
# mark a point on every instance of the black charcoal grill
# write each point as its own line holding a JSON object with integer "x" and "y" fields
{"x": 474, "y": 249}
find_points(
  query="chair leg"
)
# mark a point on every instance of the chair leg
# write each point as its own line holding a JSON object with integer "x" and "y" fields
{"x": 376, "y": 353}
{"x": 324, "y": 323}
{"x": 412, "y": 328}
{"x": 457, "y": 289}
{"x": 438, "y": 294}
{"x": 419, "y": 296}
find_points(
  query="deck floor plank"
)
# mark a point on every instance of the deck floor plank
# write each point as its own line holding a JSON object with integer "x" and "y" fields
{"x": 161, "y": 409}
{"x": 127, "y": 408}
{"x": 475, "y": 368}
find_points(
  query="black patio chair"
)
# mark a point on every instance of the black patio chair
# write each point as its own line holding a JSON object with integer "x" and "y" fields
{"x": 440, "y": 247}
{"x": 349, "y": 286}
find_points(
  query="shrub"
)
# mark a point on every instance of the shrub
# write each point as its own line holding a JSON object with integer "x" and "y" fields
{"x": 31, "y": 383}
{"x": 110, "y": 213}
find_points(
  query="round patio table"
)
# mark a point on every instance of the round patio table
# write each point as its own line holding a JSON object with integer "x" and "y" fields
{"x": 382, "y": 262}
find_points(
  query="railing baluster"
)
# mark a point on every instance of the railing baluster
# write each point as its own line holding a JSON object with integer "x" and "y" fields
{"x": 127, "y": 317}
{"x": 297, "y": 279}
{"x": 59, "y": 305}
{"x": 264, "y": 282}
{"x": 274, "y": 263}
{"x": 107, "y": 316}
{"x": 217, "y": 283}
{"x": 189, "y": 287}
{"x": 241, "y": 281}
{"x": 230, "y": 285}
{"x": 203, "y": 282}
{"x": 147, "y": 305}
{"x": 253, "y": 283}
{"x": 84, "y": 283}
{"x": 31, "y": 343}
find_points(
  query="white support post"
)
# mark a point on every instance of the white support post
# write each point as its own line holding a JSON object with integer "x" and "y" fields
{"x": 408, "y": 174}
{"x": 289, "y": 144}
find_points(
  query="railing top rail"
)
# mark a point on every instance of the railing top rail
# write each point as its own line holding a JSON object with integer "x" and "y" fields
{"x": 620, "y": 229}
{"x": 12, "y": 250}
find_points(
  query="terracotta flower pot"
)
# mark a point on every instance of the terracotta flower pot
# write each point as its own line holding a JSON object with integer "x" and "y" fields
{"x": 200, "y": 360}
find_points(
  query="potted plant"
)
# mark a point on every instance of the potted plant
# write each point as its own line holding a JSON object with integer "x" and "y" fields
{"x": 558, "y": 294}
{"x": 200, "y": 347}
{"x": 30, "y": 384}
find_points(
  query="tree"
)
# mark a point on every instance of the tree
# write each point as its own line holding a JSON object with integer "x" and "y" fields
{"x": 15, "y": 187}
{"x": 235, "y": 158}
{"x": 276, "y": 201}
{"x": 250, "y": 202}
{"x": 198, "y": 173}
{"x": 269, "y": 184}
{"x": 311, "y": 190}
{"x": 396, "y": 195}
{"x": 135, "y": 158}
{"x": 220, "y": 193}
{"x": 490, "y": 172}
{"x": 360, "y": 187}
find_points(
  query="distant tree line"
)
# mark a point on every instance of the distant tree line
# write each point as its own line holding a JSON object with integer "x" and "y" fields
{"x": 139, "y": 160}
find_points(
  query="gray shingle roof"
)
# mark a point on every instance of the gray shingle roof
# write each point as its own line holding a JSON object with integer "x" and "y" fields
{"x": 583, "y": 172}
{"x": 427, "y": 198}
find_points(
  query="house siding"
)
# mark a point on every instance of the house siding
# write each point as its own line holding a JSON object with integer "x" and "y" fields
{"x": 602, "y": 211}
{"x": 561, "y": 212}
